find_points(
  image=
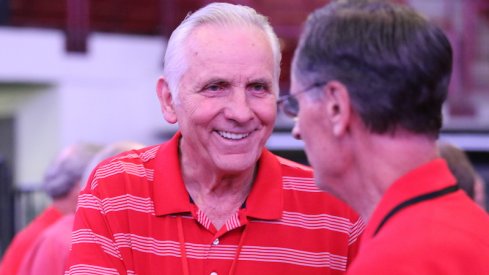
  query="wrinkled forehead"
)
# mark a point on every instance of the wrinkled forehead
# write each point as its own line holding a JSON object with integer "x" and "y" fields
{"x": 213, "y": 33}
{"x": 229, "y": 44}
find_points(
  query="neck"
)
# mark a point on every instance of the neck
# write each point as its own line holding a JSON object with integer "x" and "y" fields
{"x": 220, "y": 198}
{"x": 382, "y": 160}
{"x": 64, "y": 205}
{"x": 217, "y": 193}
{"x": 67, "y": 204}
{"x": 233, "y": 188}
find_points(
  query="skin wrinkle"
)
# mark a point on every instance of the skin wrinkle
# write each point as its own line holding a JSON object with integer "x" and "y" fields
{"x": 223, "y": 91}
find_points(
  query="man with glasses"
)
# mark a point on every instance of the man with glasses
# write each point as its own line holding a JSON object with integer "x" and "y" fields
{"x": 368, "y": 83}
{"x": 213, "y": 200}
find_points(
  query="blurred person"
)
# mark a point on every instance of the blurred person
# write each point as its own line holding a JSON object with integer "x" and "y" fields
{"x": 467, "y": 176}
{"x": 213, "y": 200}
{"x": 50, "y": 252}
{"x": 461, "y": 167}
{"x": 60, "y": 180}
{"x": 369, "y": 79}
{"x": 480, "y": 191}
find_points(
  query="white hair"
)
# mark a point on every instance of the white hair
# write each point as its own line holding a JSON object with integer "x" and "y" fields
{"x": 221, "y": 14}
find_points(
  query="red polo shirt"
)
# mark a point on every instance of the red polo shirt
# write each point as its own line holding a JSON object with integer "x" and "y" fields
{"x": 445, "y": 235}
{"x": 49, "y": 253}
{"x": 135, "y": 217}
{"x": 25, "y": 239}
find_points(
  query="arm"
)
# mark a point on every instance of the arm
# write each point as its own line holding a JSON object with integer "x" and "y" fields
{"x": 94, "y": 249}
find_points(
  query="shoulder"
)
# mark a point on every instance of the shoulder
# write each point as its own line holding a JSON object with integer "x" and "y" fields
{"x": 60, "y": 228}
{"x": 419, "y": 245}
{"x": 294, "y": 166}
{"x": 141, "y": 156}
{"x": 124, "y": 168}
{"x": 297, "y": 176}
{"x": 452, "y": 228}
{"x": 301, "y": 191}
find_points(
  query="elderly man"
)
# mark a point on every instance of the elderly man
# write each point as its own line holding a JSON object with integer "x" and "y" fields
{"x": 61, "y": 183}
{"x": 370, "y": 80}
{"x": 212, "y": 200}
{"x": 50, "y": 251}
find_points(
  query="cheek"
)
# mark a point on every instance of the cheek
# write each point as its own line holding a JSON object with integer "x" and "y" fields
{"x": 313, "y": 136}
{"x": 303, "y": 127}
{"x": 270, "y": 117}
{"x": 266, "y": 111}
{"x": 195, "y": 111}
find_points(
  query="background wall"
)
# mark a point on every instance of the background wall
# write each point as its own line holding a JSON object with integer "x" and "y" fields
{"x": 56, "y": 98}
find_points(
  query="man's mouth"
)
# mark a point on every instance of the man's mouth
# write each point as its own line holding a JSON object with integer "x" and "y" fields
{"x": 233, "y": 136}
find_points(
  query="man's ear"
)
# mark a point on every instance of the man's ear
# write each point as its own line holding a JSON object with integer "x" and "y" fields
{"x": 166, "y": 100}
{"x": 338, "y": 107}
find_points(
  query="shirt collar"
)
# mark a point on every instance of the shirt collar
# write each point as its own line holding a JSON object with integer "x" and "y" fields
{"x": 427, "y": 178}
{"x": 265, "y": 200}
{"x": 170, "y": 195}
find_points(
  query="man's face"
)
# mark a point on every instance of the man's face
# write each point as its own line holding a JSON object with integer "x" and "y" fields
{"x": 227, "y": 99}
{"x": 306, "y": 125}
{"x": 313, "y": 127}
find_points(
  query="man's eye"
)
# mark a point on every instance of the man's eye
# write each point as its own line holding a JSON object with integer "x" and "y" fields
{"x": 213, "y": 87}
{"x": 259, "y": 87}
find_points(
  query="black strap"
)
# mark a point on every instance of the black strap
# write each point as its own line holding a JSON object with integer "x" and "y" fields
{"x": 417, "y": 199}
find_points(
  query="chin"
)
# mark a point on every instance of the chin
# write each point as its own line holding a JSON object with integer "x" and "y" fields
{"x": 236, "y": 164}
{"x": 323, "y": 182}
{"x": 331, "y": 184}
{"x": 322, "y": 185}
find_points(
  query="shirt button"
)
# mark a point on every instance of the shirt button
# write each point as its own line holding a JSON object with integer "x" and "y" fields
{"x": 215, "y": 242}
{"x": 213, "y": 273}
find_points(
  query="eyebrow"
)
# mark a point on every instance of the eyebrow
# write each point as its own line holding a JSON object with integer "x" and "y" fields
{"x": 201, "y": 84}
{"x": 266, "y": 81}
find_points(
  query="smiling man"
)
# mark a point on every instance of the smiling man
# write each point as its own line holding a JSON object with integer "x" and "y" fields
{"x": 213, "y": 200}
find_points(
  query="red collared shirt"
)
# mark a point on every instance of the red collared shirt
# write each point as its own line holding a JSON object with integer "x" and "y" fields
{"x": 49, "y": 253}
{"x": 445, "y": 235}
{"x": 135, "y": 217}
{"x": 25, "y": 239}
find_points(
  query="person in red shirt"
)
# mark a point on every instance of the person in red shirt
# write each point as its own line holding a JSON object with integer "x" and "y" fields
{"x": 213, "y": 200}
{"x": 468, "y": 179}
{"x": 49, "y": 252}
{"x": 61, "y": 183}
{"x": 369, "y": 79}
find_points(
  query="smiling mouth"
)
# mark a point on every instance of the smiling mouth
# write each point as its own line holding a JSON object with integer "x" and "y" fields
{"x": 232, "y": 136}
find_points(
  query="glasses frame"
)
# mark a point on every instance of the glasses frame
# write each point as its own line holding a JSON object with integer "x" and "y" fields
{"x": 289, "y": 103}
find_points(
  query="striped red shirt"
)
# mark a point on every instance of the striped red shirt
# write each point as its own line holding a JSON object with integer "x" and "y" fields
{"x": 135, "y": 217}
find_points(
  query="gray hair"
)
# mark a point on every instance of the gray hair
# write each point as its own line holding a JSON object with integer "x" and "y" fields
{"x": 221, "y": 14}
{"x": 395, "y": 63}
{"x": 67, "y": 169}
{"x": 107, "y": 152}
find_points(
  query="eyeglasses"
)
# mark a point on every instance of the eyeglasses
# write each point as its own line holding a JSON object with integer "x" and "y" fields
{"x": 289, "y": 104}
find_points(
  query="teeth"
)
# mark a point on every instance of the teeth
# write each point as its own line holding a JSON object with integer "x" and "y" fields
{"x": 229, "y": 135}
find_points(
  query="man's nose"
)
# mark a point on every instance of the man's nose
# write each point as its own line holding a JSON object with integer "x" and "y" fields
{"x": 296, "y": 133}
{"x": 238, "y": 107}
